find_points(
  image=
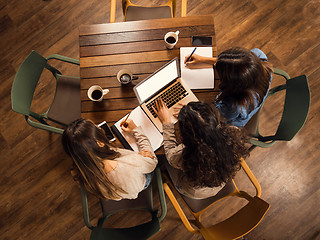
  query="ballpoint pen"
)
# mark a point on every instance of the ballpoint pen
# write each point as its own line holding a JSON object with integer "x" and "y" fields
{"x": 191, "y": 54}
{"x": 124, "y": 121}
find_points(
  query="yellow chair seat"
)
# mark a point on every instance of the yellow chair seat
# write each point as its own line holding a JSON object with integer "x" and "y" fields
{"x": 135, "y": 13}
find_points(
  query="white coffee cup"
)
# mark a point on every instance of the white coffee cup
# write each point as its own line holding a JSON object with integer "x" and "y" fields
{"x": 96, "y": 93}
{"x": 125, "y": 76}
{"x": 171, "y": 39}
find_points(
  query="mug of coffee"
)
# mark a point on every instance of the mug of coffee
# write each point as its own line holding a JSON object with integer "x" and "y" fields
{"x": 171, "y": 39}
{"x": 125, "y": 76}
{"x": 96, "y": 93}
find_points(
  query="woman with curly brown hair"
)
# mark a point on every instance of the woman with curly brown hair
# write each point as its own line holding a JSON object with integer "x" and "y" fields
{"x": 209, "y": 154}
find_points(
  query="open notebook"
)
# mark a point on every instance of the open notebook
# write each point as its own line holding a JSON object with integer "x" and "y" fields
{"x": 202, "y": 77}
{"x": 149, "y": 129}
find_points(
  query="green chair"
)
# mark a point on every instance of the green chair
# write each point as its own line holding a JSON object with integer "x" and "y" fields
{"x": 110, "y": 207}
{"x": 234, "y": 227}
{"x": 65, "y": 106}
{"x": 294, "y": 115}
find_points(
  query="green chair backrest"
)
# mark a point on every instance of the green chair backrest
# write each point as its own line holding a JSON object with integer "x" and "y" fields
{"x": 143, "y": 202}
{"x": 140, "y": 232}
{"x": 294, "y": 114}
{"x": 25, "y": 82}
{"x": 295, "y": 111}
{"x": 296, "y": 108}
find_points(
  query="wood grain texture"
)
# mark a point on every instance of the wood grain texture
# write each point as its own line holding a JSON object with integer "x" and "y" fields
{"x": 151, "y": 34}
{"x": 130, "y": 58}
{"x": 113, "y": 70}
{"x": 137, "y": 48}
{"x": 39, "y": 199}
{"x": 107, "y": 49}
{"x": 138, "y": 25}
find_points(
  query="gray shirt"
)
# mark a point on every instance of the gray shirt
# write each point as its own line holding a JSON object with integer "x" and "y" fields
{"x": 173, "y": 152}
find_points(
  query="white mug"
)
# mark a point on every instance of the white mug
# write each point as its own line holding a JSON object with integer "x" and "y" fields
{"x": 125, "y": 76}
{"x": 96, "y": 93}
{"x": 171, "y": 39}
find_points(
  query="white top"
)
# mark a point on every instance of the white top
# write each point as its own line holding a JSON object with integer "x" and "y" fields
{"x": 132, "y": 167}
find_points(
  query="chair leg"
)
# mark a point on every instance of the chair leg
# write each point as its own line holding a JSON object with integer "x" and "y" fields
{"x": 252, "y": 147}
{"x": 113, "y": 11}
{"x": 183, "y": 8}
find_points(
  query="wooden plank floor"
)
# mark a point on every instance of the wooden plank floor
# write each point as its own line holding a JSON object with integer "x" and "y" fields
{"x": 39, "y": 199}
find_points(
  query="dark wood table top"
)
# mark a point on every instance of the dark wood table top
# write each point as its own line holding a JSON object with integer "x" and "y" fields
{"x": 139, "y": 46}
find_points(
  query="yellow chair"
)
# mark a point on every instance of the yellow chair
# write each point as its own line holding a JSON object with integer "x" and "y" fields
{"x": 134, "y": 12}
{"x": 236, "y": 226}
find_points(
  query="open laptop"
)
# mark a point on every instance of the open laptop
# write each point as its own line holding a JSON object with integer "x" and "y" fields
{"x": 165, "y": 83}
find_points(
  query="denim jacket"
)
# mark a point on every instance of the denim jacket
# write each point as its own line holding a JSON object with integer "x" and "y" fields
{"x": 242, "y": 115}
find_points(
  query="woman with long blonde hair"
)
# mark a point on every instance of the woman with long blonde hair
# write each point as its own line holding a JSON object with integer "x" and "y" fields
{"x": 104, "y": 170}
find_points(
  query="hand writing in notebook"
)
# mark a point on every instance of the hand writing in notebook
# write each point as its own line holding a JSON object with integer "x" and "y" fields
{"x": 124, "y": 122}
{"x": 128, "y": 125}
{"x": 198, "y": 61}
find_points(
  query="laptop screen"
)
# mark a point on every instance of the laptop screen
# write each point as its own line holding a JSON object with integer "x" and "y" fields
{"x": 157, "y": 80}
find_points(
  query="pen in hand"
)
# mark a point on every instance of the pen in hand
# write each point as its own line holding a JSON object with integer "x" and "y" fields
{"x": 189, "y": 58}
{"x": 124, "y": 122}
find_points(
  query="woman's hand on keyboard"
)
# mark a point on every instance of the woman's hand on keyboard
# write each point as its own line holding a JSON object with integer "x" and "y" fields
{"x": 162, "y": 111}
{"x": 177, "y": 109}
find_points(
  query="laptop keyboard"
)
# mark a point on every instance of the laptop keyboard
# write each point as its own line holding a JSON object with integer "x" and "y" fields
{"x": 170, "y": 97}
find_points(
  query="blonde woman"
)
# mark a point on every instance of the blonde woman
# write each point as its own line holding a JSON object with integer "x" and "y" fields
{"x": 106, "y": 171}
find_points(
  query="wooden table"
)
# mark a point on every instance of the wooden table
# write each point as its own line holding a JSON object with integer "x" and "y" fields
{"x": 138, "y": 46}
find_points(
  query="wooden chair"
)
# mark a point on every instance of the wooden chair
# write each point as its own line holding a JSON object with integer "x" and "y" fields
{"x": 294, "y": 114}
{"x": 65, "y": 106}
{"x": 236, "y": 226}
{"x": 134, "y": 12}
{"x": 110, "y": 207}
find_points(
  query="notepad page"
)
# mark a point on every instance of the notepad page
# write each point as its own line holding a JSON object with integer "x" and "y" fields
{"x": 141, "y": 119}
{"x": 200, "y": 78}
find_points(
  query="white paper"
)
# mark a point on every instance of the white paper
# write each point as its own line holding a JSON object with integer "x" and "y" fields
{"x": 141, "y": 119}
{"x": 197, "y": 78}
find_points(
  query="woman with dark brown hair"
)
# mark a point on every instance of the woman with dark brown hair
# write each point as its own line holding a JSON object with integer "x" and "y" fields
{"x": 104, "y": 170}
{"x": 245, "y": 78}
{"x": 210, "y": 151}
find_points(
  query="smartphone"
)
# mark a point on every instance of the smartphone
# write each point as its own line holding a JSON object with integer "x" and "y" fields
{"x": 201, "y": 41}
{"x": 107, "y": 130}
